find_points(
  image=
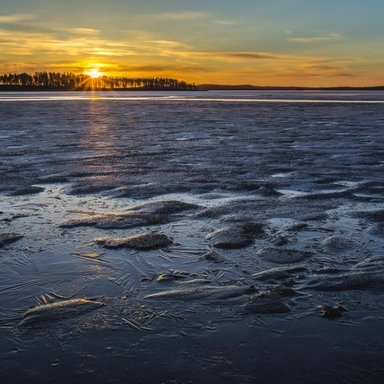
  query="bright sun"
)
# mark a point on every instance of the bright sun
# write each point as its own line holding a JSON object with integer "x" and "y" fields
{"x": 94, "y": 73}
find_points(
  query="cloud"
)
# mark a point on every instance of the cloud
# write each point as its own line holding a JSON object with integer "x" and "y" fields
{"x": 164, "y": 68}
{"x": 323, "y": 68}
{"x": 231, "y": 56}
{"x": 267, "y": 64}
{"x": 10, "y": 19}
{"x": 182, "y": 16}
{"x": 15, "y": 66}
{"x": 330, "y": 70}
{"x": 317, "y": 39}
{"x": 308, "y": 74}
{"x": 224, "y": 22}
{"x": 344, "y": 59}
{"x": 84, "y": 42}
{"x": 27, "y": 43}
{"x": 168, "y": 44}
{"x": 272, "y": 68}
{"x": 84, "y": 31}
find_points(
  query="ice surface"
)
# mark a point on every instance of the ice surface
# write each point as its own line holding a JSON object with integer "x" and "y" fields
{"x": 203, "y": 169}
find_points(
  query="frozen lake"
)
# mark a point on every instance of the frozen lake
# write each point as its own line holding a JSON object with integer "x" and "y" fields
{"x": 229, "y": 237}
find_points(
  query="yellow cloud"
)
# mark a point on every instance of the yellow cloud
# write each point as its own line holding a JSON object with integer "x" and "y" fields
{"x": 84, "y": 31}
{"x": 26, "y": 43}
{"x": 11, "y": 19}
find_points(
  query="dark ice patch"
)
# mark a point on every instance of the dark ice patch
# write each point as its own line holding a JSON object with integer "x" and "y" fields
{"x": 140, "y": 241}
{"x": 9, "y": 237}
{"x": 237, "y": 235}
{"x": 162, "y": 187}
{"x": 167, "y": 207}
{"x": 214, "y": 256}
{"x": 377, "y": 229}
{"x": 279, "y": 273}
{"x": 279, "y": 240}
{"x": 331, "y": 312}
{"x": 27, "y": 190}
{"x": 315, "y": 216}
{"x": 340, "y": 244}
{"x": 374, "y": 262}
{"x": 58, "y": 311}
{"x": 188, "y": 292}
{"x": 89, "y": 188}
{"x": 256, "y": 208}
{"x": 98, "y": 181}
{"x": 328, "y": 195}
{"x": 295, "y": 227}
{"x": 371, "y": 187}
{"x": 172, "y": 275}
{"x": 348, "y": 281}
{"x": 374, "y": 215}
{"x": 265, "y": 190}
{"x": 268, "y": 302}
{"x": 117, "y": 220}
{"x": 54, "y": 178}
{"x": 368, "y": 274}
{"x": 283, "y": 256}
{"x": 152, "y": 213}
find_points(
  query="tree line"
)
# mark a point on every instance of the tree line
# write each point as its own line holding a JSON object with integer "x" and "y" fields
{"x": 71, "y": 81}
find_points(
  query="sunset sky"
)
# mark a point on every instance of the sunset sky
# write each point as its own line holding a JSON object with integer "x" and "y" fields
{"x": 259, "y": 42}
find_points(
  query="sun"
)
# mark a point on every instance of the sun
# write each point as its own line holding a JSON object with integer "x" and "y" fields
{"x": 94, "y": 73}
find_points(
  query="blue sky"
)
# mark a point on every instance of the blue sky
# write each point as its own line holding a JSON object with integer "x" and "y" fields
{"x": 270, "y": 42}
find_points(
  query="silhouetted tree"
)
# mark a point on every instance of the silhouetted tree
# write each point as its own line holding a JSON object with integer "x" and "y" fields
{"x": 70, "y": 81}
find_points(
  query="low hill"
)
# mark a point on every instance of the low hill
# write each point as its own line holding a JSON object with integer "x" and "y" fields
{"x": 248, "y": 87}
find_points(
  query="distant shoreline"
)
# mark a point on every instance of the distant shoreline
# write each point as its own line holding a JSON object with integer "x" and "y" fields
{"x": 202, "y": 87}
{"x": 218, "y": 87}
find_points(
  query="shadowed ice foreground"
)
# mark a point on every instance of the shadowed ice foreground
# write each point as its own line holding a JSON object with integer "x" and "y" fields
{"x": 210, "y": 238}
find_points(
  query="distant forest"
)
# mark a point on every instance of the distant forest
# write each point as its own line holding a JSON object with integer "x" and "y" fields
{"x": 72, "y": 82}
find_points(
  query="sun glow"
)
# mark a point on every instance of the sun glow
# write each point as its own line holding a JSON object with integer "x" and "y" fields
{"x": 94, "y": 73}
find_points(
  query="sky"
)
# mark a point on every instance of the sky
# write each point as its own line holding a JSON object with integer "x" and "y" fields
{"x": 316, "y": 43}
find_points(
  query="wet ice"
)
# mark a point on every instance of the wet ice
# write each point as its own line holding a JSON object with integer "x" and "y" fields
{"x": 247, "y": 194}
